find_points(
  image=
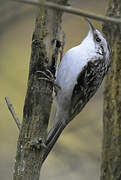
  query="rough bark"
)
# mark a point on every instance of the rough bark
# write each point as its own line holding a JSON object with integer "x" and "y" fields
{"x": 39, "y": 94}
{"x": 111, "y": 156}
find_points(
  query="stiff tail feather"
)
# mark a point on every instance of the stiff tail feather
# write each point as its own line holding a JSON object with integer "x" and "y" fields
{"x": 51, "y": 140}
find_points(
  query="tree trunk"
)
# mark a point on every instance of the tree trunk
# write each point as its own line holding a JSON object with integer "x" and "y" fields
{"x": 39, "y": 94}
{"x": 111, "y": 156}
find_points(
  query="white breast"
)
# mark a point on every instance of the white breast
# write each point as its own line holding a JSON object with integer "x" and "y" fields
{"x": 72, "y": 64}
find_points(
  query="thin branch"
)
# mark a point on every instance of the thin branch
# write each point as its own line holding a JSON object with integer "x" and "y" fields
{"x": 11, "y": 109}
{"x": 71, "y": 10}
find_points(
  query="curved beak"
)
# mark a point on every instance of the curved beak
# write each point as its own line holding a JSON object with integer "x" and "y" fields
{"x": 92, "y": 29}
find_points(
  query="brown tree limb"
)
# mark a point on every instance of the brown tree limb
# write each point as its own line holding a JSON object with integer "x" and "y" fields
{"x": 111, "y": 152}
{"x": 12, "y": 111}
{"x": 72, "y": 10}
{"x": 38, "y": 99}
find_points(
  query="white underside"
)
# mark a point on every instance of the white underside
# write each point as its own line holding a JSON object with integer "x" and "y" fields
{"x": 70, "y": 67}
{"x": 68, "y": 70}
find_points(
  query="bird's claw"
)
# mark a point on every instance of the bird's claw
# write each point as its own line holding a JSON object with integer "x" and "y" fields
{"x": 49, "y": 77}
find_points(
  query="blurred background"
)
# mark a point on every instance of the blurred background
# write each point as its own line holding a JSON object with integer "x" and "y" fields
{"x": 78, "y": 151}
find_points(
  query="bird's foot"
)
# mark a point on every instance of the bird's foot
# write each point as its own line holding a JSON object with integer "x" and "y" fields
{"x": 49, "y": 77}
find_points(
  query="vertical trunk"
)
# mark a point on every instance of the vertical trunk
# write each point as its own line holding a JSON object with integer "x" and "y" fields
{"x": 39, "y": 94}
{"x": 111, "y": 156}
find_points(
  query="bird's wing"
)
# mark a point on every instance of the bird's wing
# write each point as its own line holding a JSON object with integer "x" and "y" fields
{"x": 88, "y": 82}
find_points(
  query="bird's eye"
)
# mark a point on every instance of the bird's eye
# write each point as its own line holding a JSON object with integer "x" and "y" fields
{"x": 98, "y": 39}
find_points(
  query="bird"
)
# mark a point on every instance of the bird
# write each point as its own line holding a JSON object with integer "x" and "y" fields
{"x": 78, "y": 77}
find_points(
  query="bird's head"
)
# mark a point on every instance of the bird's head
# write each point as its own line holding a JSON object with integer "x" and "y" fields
{"x": 100, "y": 44}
